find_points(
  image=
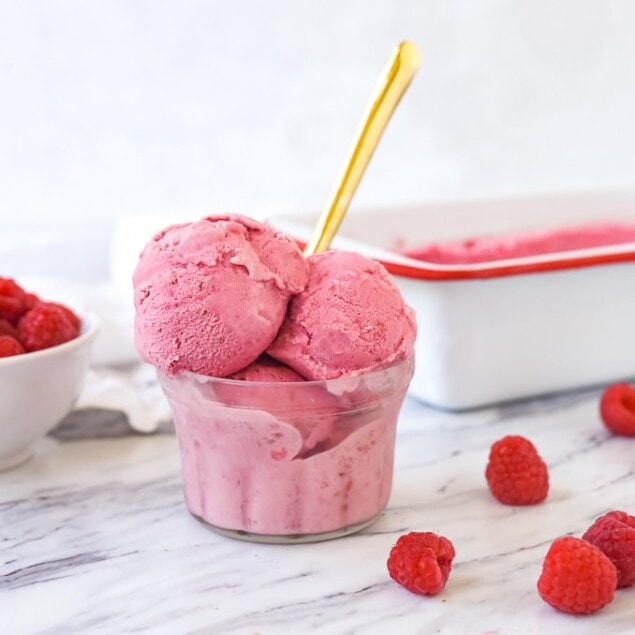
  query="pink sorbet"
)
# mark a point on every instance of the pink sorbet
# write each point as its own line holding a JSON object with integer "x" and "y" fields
{"x": 245, "y": 464}
{"x": 486, "y": 249}
{"x": 266, "y": 369}
{"x": 210, "y": 296}
{"x": 350, "y": 319}
{"x": 288, "y": 404}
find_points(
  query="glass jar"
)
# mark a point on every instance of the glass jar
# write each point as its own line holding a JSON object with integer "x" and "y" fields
{"x": 287, "y": 462}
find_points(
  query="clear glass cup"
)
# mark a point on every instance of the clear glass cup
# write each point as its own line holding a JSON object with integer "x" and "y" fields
{"x": 287, "y": 462}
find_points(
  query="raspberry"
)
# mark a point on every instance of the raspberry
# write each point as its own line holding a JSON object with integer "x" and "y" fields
{"x": 576, "y": 577}
{"x": 13, "y": 300}
{"x": 9, "y": 346}
{"x": 45, "y": 326}
{"x": 31, "y": 300}
{"x": 73, "y": 319}
{"x": 421, "y": 562}
{"x": 614, "y": 534}
{"x": 617, "y": 409}
{"x": 515, "y": 473}
{"x": 6, "y": 328}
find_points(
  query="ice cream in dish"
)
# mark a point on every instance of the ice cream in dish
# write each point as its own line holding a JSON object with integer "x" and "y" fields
{"x": 284, "y": 374}
{"x": 284, "y": 371}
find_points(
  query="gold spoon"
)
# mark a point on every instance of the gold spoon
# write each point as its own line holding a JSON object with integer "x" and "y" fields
{"x": 391, "y": 86}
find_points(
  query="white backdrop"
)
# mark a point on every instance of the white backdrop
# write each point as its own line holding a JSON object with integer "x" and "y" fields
{"x": 136, "y": 106}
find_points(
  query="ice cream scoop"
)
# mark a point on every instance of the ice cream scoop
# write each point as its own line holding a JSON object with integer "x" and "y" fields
{"x": 211, "y": 295}
{"x": 350, "y": 319}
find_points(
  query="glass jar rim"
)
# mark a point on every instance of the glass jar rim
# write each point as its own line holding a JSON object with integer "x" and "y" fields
{"x": 403, "y": 362}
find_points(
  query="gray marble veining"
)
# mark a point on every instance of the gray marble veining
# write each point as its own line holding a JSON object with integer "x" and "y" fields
{"x": 95, "y": 537}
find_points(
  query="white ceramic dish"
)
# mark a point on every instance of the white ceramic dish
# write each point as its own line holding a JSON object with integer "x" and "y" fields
{"x": 37, "y": 390}
{"x": 505, "y": 330}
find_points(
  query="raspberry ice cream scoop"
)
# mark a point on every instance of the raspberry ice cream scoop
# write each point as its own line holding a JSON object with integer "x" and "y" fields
{"x": 350, "y": 319}
{"x": 211, "y": 295}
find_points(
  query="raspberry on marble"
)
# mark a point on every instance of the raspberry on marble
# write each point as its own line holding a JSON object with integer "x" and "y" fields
{"x": 617, "y": 409}
{"x": 421, "y": 562}
{"x": 515, "y": 472}
{"x": 577, "y": 577}
{"x": 614, "y": 535}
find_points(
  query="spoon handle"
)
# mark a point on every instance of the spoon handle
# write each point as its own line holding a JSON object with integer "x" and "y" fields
{"x": 391, "y": 86}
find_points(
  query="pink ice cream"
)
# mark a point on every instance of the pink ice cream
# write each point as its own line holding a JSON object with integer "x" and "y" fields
{"x": 350, "y": 319}
{"x": 289, "y": 404}
{"x": 266, "y": 369}
{"x": 264, "y": 451}
{"x": 210, "y": 296}
{"x": 244, "y": 469}
{"x": 494, "y": 248}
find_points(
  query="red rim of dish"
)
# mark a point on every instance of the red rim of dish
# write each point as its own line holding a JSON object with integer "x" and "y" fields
{"x": 494, "y": 269}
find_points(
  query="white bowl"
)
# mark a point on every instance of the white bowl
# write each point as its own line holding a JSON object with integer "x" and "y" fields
{"x": 505, "y": 330}
{"x": 39, "y": 389}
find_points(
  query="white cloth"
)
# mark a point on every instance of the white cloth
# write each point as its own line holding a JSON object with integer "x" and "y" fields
{"x": 133, "y": 391}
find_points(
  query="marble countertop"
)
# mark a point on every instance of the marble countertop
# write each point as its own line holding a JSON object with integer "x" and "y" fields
{"x": 95, "y": 537}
